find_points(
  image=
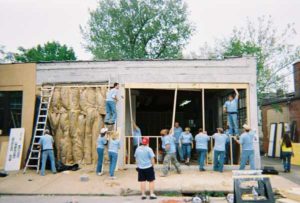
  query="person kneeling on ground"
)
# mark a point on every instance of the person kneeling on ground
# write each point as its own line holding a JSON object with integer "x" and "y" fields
{"x": 219, "y": 149}
{"x": 170, "y": 147}
{"x": 101, "y": 142}
{"x": 145, "y": 161}
{"x": 46, "y": 143}
{"x": 113, "y": 148}
{"x": 246, "y": 140}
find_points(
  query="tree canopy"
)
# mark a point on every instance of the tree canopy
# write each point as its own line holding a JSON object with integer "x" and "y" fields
{"x": 51, "y": 51}
{"x": 135, "y": 29}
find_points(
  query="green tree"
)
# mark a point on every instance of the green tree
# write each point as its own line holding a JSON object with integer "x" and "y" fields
{"x": 51, "y": 51}
{"x": 274, "y": 52}
{"x": 134, "y": 29}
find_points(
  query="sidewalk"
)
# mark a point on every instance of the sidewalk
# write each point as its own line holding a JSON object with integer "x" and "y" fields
{"x": 68, "y": 183}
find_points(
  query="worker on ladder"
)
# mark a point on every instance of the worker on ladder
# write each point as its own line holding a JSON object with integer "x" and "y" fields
{"x": 231, "y": 108}
{"x": 111, "y": 100}
{"x": 46, "y": 144}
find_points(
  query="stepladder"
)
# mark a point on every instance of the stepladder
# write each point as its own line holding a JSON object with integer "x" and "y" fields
{"x": 34, "y": 157}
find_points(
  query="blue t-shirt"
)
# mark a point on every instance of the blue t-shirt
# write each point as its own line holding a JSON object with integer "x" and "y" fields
{"x": 114, "y": 146}
{"x": 177, "y": 133}
{"x": 143, "y": 155}
{"x": 246, "y": 140}
{"x": 46, "y": 141}
{"x": 169, "y": 139}
{"x": 163, "y": 142}
{"x": 232, "y": 106}
{"x": 201, "y": 141}
{"x": 220, "y": 141}
{"x": 137, "y": 134}
{"x": 101, "y": 141}
{"x": 111, "y": 94}
{"x": 186, "y": 138}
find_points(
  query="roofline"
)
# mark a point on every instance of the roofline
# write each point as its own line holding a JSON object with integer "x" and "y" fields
{"x": 280, "y": 101}
{"x": 130, "y": 60}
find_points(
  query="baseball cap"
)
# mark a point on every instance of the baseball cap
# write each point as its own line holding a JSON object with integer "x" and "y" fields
{"x": 103, "y": 130}
{"x": 145, "y": 140}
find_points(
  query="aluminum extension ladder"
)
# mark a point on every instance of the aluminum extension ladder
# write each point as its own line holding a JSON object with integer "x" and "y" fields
{"x": 33, "y": 160}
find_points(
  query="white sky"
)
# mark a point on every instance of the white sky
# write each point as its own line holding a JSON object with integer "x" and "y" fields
{"x": 30, "y": 22}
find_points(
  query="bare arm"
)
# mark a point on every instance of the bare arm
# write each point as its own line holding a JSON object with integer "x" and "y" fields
{"x": 152, "y": 161}
{"x": 236, "y": 93}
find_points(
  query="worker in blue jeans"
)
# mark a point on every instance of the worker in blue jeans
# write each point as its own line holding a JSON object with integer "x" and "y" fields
{"x": 231, "y": 108}
{"x": 113, "y": 148}
{"x": 101, "y": 142}
{"x": 202, "y": 140}
{"x": 177, "y": 133}
{"x": 110, "y": 105}
{"x": 46, "y": 144}
{"x": 186, "y": 141}
{"x": 219, "y": 149}
{"x": 246, "y": 140}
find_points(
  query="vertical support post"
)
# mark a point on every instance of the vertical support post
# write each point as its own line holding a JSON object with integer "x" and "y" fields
{"x": 174, "y": 107}
{"x": 248, "y": 105}
{"x": 231, "y": 155}
{"x": 156, "y": 150}
{"x": 203, "y": 110}
{"x": 130, "y": 109}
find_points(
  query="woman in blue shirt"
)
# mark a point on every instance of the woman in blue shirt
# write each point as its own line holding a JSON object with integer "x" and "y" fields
{"x": 219, "y": 149}
{"x": 113, "y": 148}
{"x": 201, "y": 146}
{"x": 186, "y": 140}
{"x": 101, "y": 142}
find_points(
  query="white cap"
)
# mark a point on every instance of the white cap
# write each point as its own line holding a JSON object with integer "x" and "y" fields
{"x": 246, "y": 127}
{"x": 103, "y": 130}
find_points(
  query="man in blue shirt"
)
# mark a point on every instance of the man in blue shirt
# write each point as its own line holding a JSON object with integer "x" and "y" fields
{"x": 170, "y": 147}
{"x": 202, "y": 140}
{"x": 137, "y": 136}
{"x": 145, "y": 161}
{"x": 177, "y": 133}
{"x": 46, "y": 143}
{"x": 231, "y": 108}
{"x": 246, "y": 140}
{"x": 219, "y": 149}
{"x": 186, "y": 141}
{"x": 110, "y": 106}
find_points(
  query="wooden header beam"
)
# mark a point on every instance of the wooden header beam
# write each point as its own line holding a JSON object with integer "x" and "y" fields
{"x": 186, "y": 86}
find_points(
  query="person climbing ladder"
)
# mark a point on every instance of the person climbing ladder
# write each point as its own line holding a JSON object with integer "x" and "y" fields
{"x": 111, "y": 100}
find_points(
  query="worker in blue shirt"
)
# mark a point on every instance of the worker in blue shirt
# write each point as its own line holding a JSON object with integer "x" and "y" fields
{"x": 46, "y": 144}
{"x": 145, "y": 162}
{"x": 101, "y": 142}
{"x": 137, "y": 136}
{"x": 219, "y": 149}
{"x": 177, "y": 133}
{"x": 202, "y": 140}
{"x": 110, "y": 105}
{"x": 186, "y": 141}
{"x": 246, "y": 140}
{"x": 113, "y": 149}
{"x": 231, "y": 108}
{"x": 170, "y": 148}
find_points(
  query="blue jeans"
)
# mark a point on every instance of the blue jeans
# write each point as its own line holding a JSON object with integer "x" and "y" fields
{"x": 201, "y": 157}
{"x": 219, "y": 160}
{"x": 233, "y": 124}
{"x": 113, "y": 158}
{"x": 179, "y": 152}
{"x": 100, "y": 152}
{"x": 227, "y": 152}
{"x": 111, "y": 113}
{"x": 286, "y": 160}
{"x": 45, "y": 155}
{"x": 186, "y": 149}
{"x": 247, "y": 155}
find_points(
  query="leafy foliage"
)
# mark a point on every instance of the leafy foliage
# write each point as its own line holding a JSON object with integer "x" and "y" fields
{"x": 134, "y": 29}
{"x": 51, "y": 51}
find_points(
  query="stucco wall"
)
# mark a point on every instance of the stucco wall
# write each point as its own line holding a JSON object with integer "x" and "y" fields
{"x": 21, "y": 77}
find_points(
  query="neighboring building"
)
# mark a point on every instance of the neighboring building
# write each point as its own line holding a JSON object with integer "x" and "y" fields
{"x": 202, "y": 89}
{"x": 284, "y": 109}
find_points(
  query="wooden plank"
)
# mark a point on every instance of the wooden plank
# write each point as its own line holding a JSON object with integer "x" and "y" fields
{"x": 3, "y": 151}
{"x": 203, "y": 110}
{"x": 248, "y": 106}
{"x": 174, "y": 108}
{"x": 186, "y": 86}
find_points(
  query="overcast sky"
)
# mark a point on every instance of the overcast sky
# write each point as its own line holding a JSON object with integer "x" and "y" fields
{"x": 30, "y": 22}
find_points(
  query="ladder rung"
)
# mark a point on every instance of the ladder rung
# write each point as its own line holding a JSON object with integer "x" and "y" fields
{"x": 35, "y": 150}
{"x": 35, "y": 158}
{"x": 42, "y": 116}
{"x": 32, "y": 165}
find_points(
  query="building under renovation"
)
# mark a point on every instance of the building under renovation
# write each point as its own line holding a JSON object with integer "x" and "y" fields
{"x": 153, "y": 93}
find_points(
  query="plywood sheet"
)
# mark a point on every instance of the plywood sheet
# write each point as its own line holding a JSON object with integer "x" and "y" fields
{"x": 3, "y": 150}
{"x": 272, "y": 139}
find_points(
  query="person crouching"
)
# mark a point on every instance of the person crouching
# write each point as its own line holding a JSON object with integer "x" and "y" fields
{"x": 145, "y": 161}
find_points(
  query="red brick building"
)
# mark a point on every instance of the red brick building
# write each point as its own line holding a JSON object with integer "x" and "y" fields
{"x": 290, "y": 111}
